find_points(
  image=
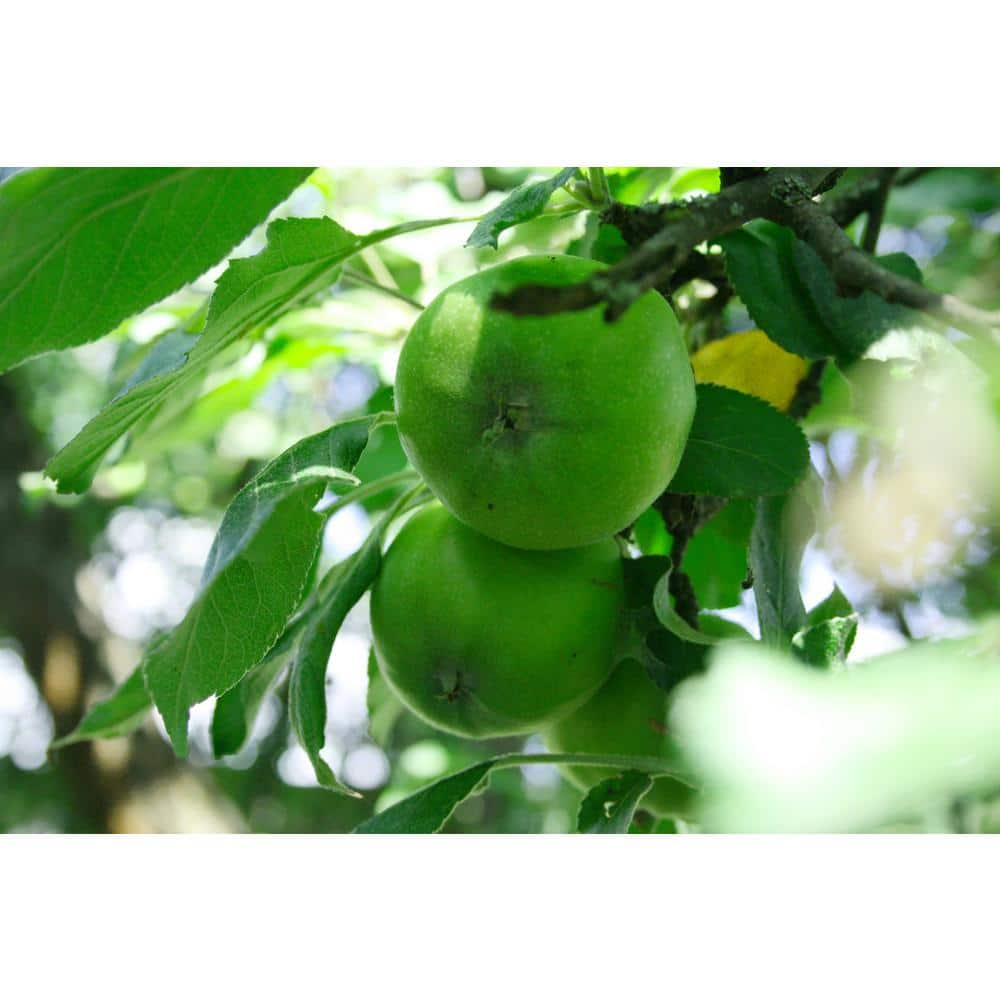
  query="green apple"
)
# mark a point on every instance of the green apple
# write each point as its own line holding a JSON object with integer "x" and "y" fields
{"x": 628, "y": 715}
{"x": 481, "y": 639}
{"x": 543, "y": 432}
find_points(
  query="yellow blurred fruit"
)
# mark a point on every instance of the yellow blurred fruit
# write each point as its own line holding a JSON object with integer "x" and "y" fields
{"x": 751, "y": 362}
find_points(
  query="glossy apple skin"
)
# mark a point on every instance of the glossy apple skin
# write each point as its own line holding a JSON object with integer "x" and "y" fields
{"x": 543, "y": 432}
{"x": 481, "y": 639}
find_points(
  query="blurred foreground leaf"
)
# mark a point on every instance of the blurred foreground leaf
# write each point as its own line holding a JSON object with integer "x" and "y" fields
{"x": 781, "y": 748}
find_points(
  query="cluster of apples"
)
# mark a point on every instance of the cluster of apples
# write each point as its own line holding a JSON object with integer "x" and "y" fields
{"x": 499, "y": 608}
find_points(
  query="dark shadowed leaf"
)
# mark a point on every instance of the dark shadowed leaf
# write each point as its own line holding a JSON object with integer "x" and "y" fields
{"x": 739, "y": 446}
{"x": 522, "y": 204}
{"x": 84, "y": 249}
{"x": 761, "y": 266}
{"x": 855, "y": 322}
{"x": 609, "y": 806}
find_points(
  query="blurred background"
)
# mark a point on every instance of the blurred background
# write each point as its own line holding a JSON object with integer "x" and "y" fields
{"x": 86, "y": 582}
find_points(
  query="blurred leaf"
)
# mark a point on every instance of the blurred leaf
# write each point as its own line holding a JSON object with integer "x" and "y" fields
{"x": 118, "y": 715}
{"x": 739, "y": 446}
{"x": 428, "y": 810}
{"x": 761, "y": 266}
{"x": 776, "y": 545}
{"x": 609, "y": 806}
{"x": 301, "y": 259}
{"x": 180, "y": 421}
{"x": 600, "y": 241}
{"x": 955, "y": 189}
{"x": 522, "y": 204}
{"x": 85, "y": 248}
{"x": 701, "y": 180}
{"x": 896, "y": 738}
{"x": 835, "y": 409}
{"x": 404, "y": 271}
{"x": 715, "y": 559}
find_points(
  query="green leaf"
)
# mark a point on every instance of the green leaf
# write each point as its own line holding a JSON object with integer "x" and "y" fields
{"x": 834, "y": 605}
{"x": 523, "y": 203}
{"x": 780, "y": 533}
{"x": 666, "y": 657}
{"x": 671, "y": 620}
{"x": 340, "y": 590}
{"x": 739, "y": 446}
{"x": 240, "y": 613}
{"x": 855, "y": 322}
{"x": 236, "y": 710}
{"x": 609, "y": 806}
{"x": 715, "y": 559}
{"x": 761, "y": 266}
{"x": 255, "y": 574}
{"x": 86, "y": 248}
{"x": 307, "y": 680}
{"x": 118, "y": 715}
{"x": 301, "y": 259}
{"x": 328, "y": 456}
{"x": 829, "y": 634}
{"x": 428, "y": 810}
{"x": 827, "y": 643}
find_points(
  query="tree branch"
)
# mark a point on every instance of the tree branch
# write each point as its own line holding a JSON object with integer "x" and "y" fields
{"x": 853, "y": 269}
{"x": 675, "y": 230}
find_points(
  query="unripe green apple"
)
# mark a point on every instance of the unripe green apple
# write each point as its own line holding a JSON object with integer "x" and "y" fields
{"x": 481, "y": 639}
{"x": 628, "y": 715}
{"x": 543, "y": 432}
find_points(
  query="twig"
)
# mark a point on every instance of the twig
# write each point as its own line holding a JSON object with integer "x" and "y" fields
{"x": 876, "y": 210}
{"x": 362, "y": 279}
{"x": 683, "y": 515}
